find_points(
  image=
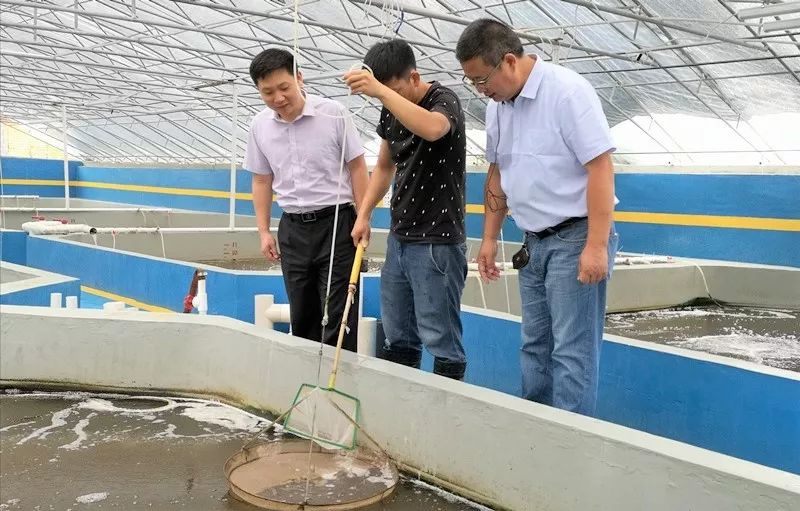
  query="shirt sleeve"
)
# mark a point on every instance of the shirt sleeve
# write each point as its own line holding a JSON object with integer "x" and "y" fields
{"x": 584, "y": 125}
{"x": 491, "y": 132}
{"x": 254, "y": 159}
{"x": 383, "y": 122}
{"x": 353, "y": 146}
{"x": 447, "y": 103}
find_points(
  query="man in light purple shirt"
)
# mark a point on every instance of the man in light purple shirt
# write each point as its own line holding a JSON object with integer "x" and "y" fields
{"x": 294, "y": 150}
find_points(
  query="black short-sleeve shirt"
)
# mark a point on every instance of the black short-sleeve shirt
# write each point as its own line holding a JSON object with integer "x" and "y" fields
{"x": 428, "y": 201}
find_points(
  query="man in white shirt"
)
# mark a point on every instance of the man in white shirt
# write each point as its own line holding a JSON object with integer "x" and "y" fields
{"x": 549, "y": 149}
{"x": 294, "y": 150}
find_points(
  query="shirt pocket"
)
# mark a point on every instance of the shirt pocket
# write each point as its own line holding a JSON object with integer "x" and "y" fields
{"x": 540, "y": 142}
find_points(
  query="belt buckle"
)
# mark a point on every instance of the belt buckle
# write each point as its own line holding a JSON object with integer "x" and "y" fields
{"x": 309, "y": 216}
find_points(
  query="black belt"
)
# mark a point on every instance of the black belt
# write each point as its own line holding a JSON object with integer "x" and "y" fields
{"x": 552, "y": 230}
{"x": 313, "y": 216}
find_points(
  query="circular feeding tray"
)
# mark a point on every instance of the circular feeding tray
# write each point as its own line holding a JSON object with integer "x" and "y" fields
{"x": 296, "y": 474}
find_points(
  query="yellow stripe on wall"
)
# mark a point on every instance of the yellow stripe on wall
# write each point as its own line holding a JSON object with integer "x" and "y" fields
{"x": 127, "y": 301}
{"x": 725, "y": 222}
{"x": 191, "y": 192}
{"x": 32, "y": 182}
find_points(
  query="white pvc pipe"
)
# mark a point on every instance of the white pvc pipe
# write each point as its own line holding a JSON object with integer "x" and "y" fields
{"x": 168, "y": 230}
{"x": 114, "y": 306}
{"x": 631, "y": 260}
{"x": 267, "y": 312}
{"x": 200, "y": 301}
{"x": 56, "y": 227}
{"x": 72, "y": 302}
{"x": 55, "y": 300}
{"x": 5, "y": 196}
{"x": 53, "y": 227}
{"x": 234, "y": 126}
{"x": 367, "y": 336}
{"x": 501, "y": 265}
{"x": 66, "y": 157}
{"x": 33, "y": 209}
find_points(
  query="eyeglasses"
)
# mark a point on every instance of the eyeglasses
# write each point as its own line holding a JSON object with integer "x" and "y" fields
{"x": 480, "y": 82}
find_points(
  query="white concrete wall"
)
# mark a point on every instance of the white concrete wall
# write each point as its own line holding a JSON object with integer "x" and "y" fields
{"x": 499, "y": 449}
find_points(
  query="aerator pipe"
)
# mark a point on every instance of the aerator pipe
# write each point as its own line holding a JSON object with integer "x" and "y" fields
{"x": 267, "y": 312}
{"x": 166, "y": 230}
{"x": 31, "y": 209}
{"x": 200, "y": 302}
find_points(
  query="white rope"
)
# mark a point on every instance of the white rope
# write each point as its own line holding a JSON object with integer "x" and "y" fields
{"x": 347, "y": 117}
{"x": 503, "y": 267}
{"x": 480, "y": 286}
{"x": 705, "y": 283}
{"x": 163, "y": 247}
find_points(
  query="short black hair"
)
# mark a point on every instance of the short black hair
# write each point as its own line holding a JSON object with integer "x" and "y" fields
{"x": 390, "y": 59}
{"x": 489, "y": 39}
{"x": 269, "y": 60}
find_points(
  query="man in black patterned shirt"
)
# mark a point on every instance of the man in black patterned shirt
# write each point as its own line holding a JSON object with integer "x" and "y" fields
{"x": 424, "y": 151}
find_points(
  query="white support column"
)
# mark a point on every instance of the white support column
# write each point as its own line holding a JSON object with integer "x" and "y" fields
{"x": 235, "y": 125}
{"x": 66, "y": 155}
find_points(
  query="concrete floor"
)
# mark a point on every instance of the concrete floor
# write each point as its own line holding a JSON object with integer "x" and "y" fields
{"x": 765, "y": 336}
{"x": 78, "y": 451}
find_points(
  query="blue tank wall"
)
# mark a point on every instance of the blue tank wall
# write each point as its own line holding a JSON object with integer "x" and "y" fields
{"x": 737, "y": 217}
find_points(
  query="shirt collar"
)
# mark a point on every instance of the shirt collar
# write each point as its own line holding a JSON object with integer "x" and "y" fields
{"x": 531, "y": 87}
{"x": 308, "y": 110}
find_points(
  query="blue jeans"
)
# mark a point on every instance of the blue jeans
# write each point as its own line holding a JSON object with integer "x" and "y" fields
{"x": 421, "y": 287}
{"x": 562, "y": 322}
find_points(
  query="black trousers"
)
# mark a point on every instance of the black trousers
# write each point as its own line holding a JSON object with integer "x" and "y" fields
{"x": 305, "y": 248}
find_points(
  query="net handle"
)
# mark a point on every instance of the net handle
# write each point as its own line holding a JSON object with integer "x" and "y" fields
{"x": 351, "y": 291}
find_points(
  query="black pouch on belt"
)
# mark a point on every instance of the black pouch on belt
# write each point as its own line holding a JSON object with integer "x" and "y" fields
{"x": 521, "y": 258}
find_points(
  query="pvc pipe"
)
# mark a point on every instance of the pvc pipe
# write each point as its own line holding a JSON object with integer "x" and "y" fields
{"x": 55, "y": 300}
{"x": 32, "y": 209}
{"x": 66, "y": 155}
{"x": 200, "y": 301}
{"x": 5, "y": 196}
{"x": 631, "y": 260}
{"x": 367, "y": 336}
{"x": 54, "y": 227}
{"x": 508, "y": 265}
{"x": 72, "y": 302}
{"x": 234, "y": 143}
{"x": 267, "y": 312}
{"x": 114, "y": 306}
{"x": 167, "y": 230}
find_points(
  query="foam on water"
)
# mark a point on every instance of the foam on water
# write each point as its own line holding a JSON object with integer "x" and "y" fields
{"x": 90, "y": 498}
{"x": 223, "y": 415}
{"x": 446, "y": 495}
{"x": 764, "y": 336}
{"x": 80, "y": 433}
{"x": 745, "y": 345}
{"x": 58, "y": 420}
{"x": 226, "y": 422}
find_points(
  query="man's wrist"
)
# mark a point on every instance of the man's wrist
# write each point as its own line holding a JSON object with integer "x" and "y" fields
{"x": 597, "y": 244}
